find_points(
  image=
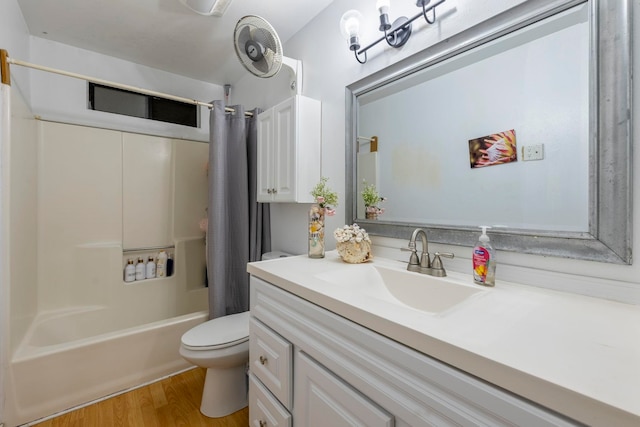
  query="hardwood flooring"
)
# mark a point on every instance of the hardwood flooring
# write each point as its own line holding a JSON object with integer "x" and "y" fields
{"x": 174, "y": 401}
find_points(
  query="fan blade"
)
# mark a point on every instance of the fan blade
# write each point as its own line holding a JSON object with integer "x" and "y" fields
{"x": 268, "y": 56}
{"x": 244, "y": 36}
{"x": 265, "y": 38}
{"x": 262, "y": 65}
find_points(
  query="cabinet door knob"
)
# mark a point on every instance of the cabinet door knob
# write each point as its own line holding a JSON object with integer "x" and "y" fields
{"x": 274, "y": 191}
{"x": 263, "y": 360}
{"x": 262, "y": 423}
{"x": 269, "y": 191}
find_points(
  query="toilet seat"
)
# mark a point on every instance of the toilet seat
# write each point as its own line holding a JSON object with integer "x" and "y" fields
{"x": 218, "y": 333}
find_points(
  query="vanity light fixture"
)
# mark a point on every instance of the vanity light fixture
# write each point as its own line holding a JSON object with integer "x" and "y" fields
{"x": 396, "y": 34}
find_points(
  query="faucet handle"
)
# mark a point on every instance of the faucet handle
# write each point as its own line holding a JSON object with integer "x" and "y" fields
{"x": 436, "y": 266}
{"x": 414, "y": 262}
{"x": 444, "y": 254}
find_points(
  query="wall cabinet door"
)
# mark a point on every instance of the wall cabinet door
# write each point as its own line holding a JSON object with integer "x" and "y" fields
{"x": 285, "y": 124}
{"x": 289, "y": 151}
{"x": 322, "y": 399}
{"x": 266, "y": 149}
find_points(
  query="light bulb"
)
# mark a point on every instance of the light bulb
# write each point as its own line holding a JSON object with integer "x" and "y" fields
{"x": 350, "y": 23}
{"x": 383, "y": 6}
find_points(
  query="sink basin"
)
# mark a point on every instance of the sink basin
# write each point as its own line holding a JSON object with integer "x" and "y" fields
{"x": 424, "y": 292}
{"x": 433, "y": 295}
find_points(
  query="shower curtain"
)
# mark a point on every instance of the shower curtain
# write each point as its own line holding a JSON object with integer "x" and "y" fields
{"x": 239, "y": 227}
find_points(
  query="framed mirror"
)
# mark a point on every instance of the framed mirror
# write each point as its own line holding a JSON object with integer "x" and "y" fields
{"x": 521, "y": 123}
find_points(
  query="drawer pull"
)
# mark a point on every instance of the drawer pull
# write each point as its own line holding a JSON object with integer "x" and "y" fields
{"x": 263, "y": 423}
{"x": 263, "y": 361}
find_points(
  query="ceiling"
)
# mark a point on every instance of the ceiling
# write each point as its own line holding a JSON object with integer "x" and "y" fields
{"x": 163, "y": 34}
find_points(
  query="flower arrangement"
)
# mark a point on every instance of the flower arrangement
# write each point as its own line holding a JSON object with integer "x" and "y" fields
{"x": 354, "y": 244}
{"x": 371, "y": 200}
{"x": 351, "y": 233}
{"x": 325, "y": 197}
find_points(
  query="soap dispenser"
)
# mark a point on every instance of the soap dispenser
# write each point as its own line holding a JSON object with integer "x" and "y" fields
{"x": 484, "y": 260}
{"x": 130, "y": 271}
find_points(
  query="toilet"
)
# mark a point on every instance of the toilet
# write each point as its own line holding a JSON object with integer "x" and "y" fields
{"x": 222, "y": 346}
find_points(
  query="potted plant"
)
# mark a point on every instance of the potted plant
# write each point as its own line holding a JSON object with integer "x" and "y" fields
{"x": 372, "y": 200}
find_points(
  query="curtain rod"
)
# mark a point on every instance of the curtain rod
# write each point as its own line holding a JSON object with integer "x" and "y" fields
{"x": 8, "y": 60}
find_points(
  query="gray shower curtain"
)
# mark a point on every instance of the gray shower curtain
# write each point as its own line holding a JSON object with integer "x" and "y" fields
{"x": 239, "y": 227}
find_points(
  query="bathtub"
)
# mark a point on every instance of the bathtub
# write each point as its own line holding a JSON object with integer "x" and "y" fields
{"x": 75, "y": 356}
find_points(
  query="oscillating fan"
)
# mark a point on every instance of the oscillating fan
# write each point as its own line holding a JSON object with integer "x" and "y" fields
{"x": 258, "y": 46}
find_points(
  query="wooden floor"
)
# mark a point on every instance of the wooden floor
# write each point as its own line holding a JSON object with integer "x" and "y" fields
{"x": 174, "y": 401}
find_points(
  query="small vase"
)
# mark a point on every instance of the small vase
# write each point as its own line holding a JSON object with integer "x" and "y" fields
{"x": 371, "y": 215}
{"x": 316, "y": 232}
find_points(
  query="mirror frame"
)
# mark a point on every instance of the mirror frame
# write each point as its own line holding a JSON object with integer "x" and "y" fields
{"x": 610, "y": 235}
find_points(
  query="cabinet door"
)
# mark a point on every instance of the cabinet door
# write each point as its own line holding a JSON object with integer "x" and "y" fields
{"x": 285, "y": 134}
{"x": 266, "y": 148}
{"x": 322, "y": 399}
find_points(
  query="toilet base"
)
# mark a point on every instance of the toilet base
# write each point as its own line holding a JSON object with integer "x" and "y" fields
{"x": 225, "y": 391}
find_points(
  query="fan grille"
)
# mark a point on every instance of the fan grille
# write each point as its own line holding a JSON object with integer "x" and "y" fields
{"x": 256, "y": 35}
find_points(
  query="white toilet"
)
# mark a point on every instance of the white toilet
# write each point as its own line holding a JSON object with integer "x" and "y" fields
{"x": 222, "y": 346}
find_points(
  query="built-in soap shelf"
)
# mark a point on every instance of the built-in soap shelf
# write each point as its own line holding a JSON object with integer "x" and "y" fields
{"x": 162, "y": 258}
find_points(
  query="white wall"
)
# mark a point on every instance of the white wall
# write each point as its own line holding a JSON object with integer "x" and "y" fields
{"x": 14, "y": 38}
{"x": 60, "y": 98}
{"x": 329, "y": 66}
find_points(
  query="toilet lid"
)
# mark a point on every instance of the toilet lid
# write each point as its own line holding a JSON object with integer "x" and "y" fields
{"x": 219, "y": 332}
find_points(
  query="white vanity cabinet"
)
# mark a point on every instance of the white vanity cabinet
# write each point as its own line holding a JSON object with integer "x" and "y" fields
{"x": 345, "y": 374}
{"x": 289, "y": 151}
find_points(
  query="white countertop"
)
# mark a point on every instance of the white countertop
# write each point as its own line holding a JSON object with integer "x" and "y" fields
{"x": 577, "y": 355}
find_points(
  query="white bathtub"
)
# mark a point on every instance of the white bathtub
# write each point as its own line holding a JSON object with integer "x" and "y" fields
{"x": 70, "y": 358}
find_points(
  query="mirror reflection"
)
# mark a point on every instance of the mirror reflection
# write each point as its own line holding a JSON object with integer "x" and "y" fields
{"x": 520, "y": 123}
{"x": 457, "y": 141}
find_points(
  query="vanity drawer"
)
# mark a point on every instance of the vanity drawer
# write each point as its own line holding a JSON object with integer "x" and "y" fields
{"x": 264, "y": 409}
{"x": 270, "y": 360}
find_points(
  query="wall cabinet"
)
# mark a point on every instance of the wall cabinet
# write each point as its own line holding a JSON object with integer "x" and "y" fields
{"x": 345, "y": 374}
{"x": 289, "y": 151}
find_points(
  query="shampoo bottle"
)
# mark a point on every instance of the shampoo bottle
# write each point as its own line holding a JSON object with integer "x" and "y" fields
{"x": 130, "y": 271}
{"x": 484, "y": 261}
{"x": 161, "y": 269}
{"x": 151, "y": 268}
{"x": 170, "y": 265}
{"x": 140, "y": 270}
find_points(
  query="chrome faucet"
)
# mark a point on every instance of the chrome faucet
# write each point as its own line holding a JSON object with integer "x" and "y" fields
{"x": 423, "y": 264}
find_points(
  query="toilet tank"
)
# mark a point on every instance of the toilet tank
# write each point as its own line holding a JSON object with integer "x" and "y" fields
{"x": 274, "y": 255}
